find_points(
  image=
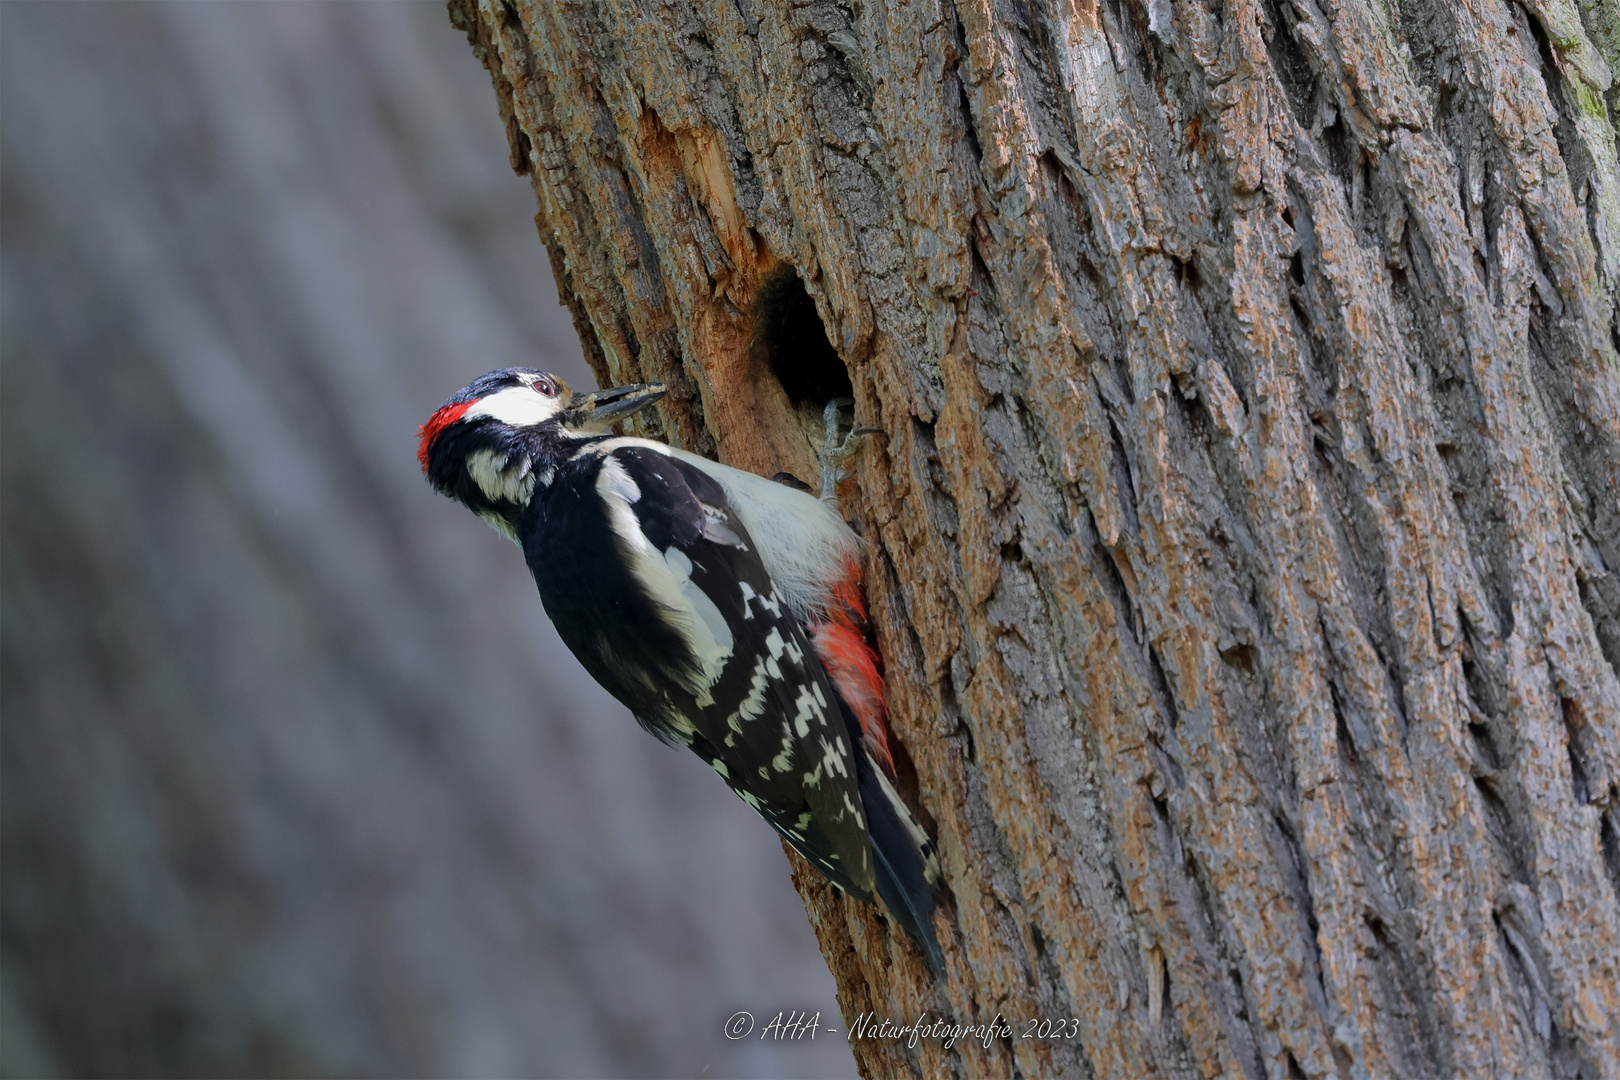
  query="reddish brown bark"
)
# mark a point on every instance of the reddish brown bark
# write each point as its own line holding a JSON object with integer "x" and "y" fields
{"x": 1244, "y": 540}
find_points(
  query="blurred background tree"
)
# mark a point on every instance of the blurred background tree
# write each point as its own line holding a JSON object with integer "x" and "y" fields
{"x": 296, "y": 778}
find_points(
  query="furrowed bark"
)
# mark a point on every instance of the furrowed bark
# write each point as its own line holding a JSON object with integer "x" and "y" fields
{"x": 1246, "y": 538}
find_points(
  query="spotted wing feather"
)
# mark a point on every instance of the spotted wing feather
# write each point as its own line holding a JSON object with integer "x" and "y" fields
{"x": 764, "y": 716}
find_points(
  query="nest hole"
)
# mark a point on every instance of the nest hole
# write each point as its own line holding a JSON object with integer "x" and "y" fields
{"x": 791, "y": 342}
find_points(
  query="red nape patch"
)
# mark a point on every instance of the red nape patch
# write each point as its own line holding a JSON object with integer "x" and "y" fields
{"x": 436, "y": 424}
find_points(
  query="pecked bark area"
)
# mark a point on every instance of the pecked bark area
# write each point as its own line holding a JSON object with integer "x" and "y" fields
{"x": 1245, "y": 544}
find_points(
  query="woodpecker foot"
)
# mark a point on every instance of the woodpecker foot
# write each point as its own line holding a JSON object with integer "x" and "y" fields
{"x": 836, "y": 457}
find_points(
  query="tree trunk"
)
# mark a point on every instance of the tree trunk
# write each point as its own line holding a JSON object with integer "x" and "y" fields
{"x": 1245, "y": 544}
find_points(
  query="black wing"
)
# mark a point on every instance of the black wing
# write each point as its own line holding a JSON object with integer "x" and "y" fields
{"x": 765, "y": 718}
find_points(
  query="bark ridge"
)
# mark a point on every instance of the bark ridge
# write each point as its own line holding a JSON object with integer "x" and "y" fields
{"x": 1245, "y": 539}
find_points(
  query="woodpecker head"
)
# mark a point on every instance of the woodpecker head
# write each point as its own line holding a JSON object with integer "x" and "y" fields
{"x": 497, "y": 438}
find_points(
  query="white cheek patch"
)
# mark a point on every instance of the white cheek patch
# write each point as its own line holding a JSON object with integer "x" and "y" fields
{"x": 516, "y": 406}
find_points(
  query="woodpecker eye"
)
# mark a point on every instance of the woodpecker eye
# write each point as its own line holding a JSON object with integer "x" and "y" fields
{"x": 544, "y": 386}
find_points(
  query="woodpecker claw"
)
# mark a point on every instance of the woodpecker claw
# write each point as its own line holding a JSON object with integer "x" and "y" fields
{"x": 835, "y": 456}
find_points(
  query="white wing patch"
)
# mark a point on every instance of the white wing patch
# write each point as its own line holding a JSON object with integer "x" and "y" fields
{"x": 802, "y": 541}
{"x": 666, "y": 575}
{"x": 614, "y": 481}
{"x": 707, "y": 611}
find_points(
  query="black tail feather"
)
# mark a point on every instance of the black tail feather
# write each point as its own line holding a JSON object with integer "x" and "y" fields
{"x": 902, "y": 879}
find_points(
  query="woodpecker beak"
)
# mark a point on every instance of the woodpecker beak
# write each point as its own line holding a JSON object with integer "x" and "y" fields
{"x": 603, "y": 408}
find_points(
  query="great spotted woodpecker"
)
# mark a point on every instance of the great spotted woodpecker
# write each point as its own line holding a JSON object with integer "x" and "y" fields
{"x": 724, "y": 609}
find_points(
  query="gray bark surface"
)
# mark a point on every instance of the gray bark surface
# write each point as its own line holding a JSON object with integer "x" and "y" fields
{"x": 1245, "y": 544}
{"x": 295, "y": 778}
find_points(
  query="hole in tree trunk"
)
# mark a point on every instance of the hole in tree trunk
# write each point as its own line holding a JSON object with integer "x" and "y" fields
{"x": 791, "y": 342}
